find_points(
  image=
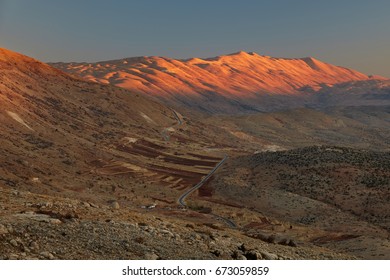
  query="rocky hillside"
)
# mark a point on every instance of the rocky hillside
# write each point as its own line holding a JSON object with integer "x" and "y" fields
{"x": 335, "y": 197}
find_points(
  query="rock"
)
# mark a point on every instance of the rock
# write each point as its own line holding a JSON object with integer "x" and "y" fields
{"x": 55, "y": 221}
{"x": 141, "y": 224}
{"x": 237, "y": 255}
{"x": 216, "y": 252}
{"x": 13, "y": 257}
{"x": 284, "y": 241}
{"x": 292, "y": 243}
{"x": 45, "y": 205}
{"x": 15, "y": 193}
{"x": 241, "y": 257}
{"x": 149, "y": 229}
{"x": 269, "y": 256}
{"x": 253, "y": 255}
{"x": 34, "y": 246}
{"x": 27, "y": 250}
{"x": 151, "y": 256}
{"x": 167, "y": 232}
{"x": 3, "y": 229}
{"x": 86, "y": 204}
{"x": 242, "y": 247}
{"x": 35, "y": 180}
{"x": 177, "y": 237}
{"x": 271, "y": 239}
{"x": 10, "y": 229}
{"x": 115, "y": 205}
{"x": 47, "y": 255}
{"x": 13, "y": 242}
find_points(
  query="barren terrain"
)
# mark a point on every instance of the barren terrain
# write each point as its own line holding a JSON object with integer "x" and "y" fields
{"x": 92, "y": 171}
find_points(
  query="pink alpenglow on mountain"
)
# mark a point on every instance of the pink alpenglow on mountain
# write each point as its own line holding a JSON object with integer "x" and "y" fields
{"x": 246, "y": 78}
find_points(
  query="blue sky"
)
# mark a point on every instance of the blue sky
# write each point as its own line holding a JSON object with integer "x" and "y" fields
{"x": 350, "y": 33}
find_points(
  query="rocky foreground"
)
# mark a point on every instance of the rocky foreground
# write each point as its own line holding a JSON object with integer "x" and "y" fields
{"x": 41, "y": 227}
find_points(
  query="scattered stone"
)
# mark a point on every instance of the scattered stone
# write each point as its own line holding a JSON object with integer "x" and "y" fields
{"x": 15, "y": 193}
{"x": 34, "y": 246}
{"x": 13, "y": 257}
{"x": 39, "y": 217}
{"x": 151, "y": 256}
{"x": 253, "y": 255}
{"x": 27, "y": 250}
{"x": 269, "y": 256}
{"x": 149, "y": 229}
{"x": 47, "y": 255}
{"x": 55, "y": 221}
{"x": 216, "y": 252}
{"x": 213, "y": 236}
{"x": 292, "y": 243}
{"x": 197, "y": 237}
{"x": 242, "y": 247}
{"x": 35, "y": 180}
{"x": 177, "y": 237}
{"x": 115, "y": 205}
{"x": 241, "y": 257}
{"x": 142, "y": 224}
{"x": 167, "y": 232}
{"x": 86, "y": 204}
{"x": 13, "y": 242}
{"x": 237, "y": 255}
{"x": 10, "y": 229}
{"x": 45, "y": 205}
{"x": 271, "y": 239}
{"x": 3, "y": 229}
{"x": 284, "y": 241}
{"x": 94, "y": 205}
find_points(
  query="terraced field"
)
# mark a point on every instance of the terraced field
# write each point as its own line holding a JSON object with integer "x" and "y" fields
{"x": 156, "y": 162}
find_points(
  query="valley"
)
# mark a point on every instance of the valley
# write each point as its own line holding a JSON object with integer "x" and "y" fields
{"x": 96, "y": 171}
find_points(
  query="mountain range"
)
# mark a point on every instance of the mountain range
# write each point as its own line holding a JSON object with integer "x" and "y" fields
{"x": 237, "y": 83}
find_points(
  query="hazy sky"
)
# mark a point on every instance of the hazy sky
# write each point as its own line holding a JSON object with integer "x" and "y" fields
{"x": 351, "y": 33}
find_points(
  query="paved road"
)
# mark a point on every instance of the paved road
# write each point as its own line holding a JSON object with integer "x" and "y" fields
{"x": 182, "y": 198}
{"x": 230, "y": 223}
{"x": 201, "y": 183}
{"x": 165, "y": 133}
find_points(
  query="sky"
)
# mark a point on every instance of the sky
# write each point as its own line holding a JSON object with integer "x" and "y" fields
{"x": 350, "y": 33}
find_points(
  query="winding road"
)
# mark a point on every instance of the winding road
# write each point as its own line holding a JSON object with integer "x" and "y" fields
{"x": 165, "y": 133}
{"x": 182, "y": 198}
{"x": 201, "y": 183}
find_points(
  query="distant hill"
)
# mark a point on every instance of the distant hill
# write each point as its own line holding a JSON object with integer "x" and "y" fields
{"x": 237, "y": 83}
